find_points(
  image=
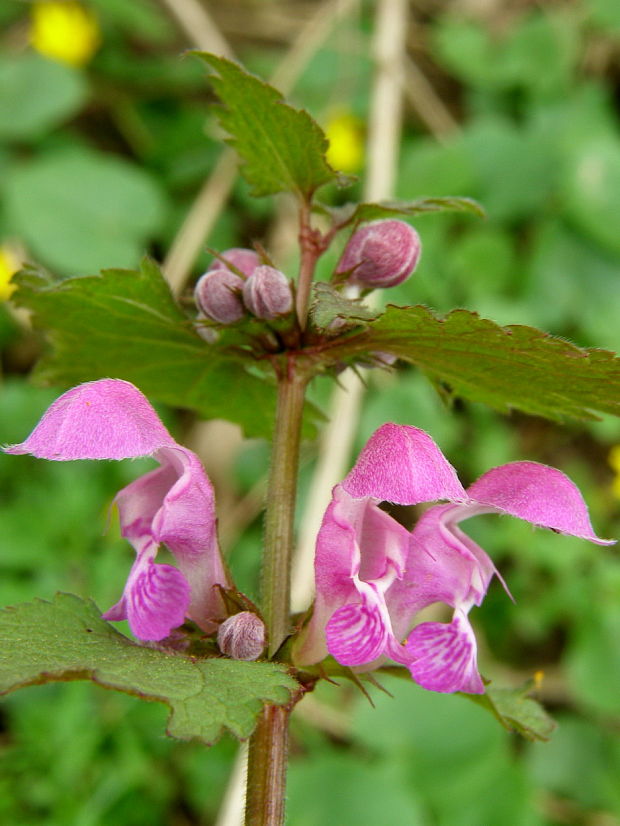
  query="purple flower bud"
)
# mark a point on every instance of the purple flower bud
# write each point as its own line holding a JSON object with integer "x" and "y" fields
{"x": 246, "y": 261}
{"x": 381, "y": 254}
{"x": 267, "y": 293}
{"x": 242, "y": 636}
{"x": 218, "y": 296}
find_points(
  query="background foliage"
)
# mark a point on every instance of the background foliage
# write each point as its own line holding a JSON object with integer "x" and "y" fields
{"x": 100, "y": 159}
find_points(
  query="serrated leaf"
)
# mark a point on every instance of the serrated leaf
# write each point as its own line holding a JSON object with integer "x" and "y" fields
{"x": 358, "y": 213}
{"x": 329, "y": 305}
{"x": 516, "y": 710}
{"x": 66, "y": 639}
{"x": 125, "y": 324}
{"x": 282, "y": 148}
{"x": 396, "y": 209}
{"x": 505, "y": 367}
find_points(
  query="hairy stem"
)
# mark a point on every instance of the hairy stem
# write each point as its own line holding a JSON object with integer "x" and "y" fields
{"x": 280, "y": 510}
{"x": 267, "y": 757}
{"x": 309, "y": 254}
{"x": 267, "y": 761}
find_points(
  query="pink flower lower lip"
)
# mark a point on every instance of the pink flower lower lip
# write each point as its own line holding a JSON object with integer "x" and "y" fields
{"x": 173, "y": 504}
{"x": 373, "y": 576}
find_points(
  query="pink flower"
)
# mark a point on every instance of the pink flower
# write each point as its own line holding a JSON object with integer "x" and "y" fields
{"x": 218, "y": 296}
{"x": 380, "y": 254}
{"x": 243, "y": 260}
{"x": 173, "y": 504}
{"x": 373, "y": 576}
{"x": 267, "y": 293}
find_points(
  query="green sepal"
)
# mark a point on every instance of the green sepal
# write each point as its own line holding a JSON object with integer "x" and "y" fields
{"x": 331, "y": 312}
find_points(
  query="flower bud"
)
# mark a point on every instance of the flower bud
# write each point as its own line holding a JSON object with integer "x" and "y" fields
{"x": 381, "y": 254}
{"x": 242, "y": 636}
{"x": 267, "y": 293}
{"x": 218, "y": 296}
{"x": 246, "y": 261}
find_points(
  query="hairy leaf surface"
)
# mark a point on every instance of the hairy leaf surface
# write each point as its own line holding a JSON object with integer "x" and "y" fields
{"x": 66, "y": 639}
{"x": 125, "y": 324}
{"x": 282, "y": 148}
{"x": 514, "y": 367}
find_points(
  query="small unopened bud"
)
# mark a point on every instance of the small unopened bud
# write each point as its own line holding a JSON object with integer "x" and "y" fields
{"x": 242, "y": 636}
{"x": 218, "y": 296}
{"x": 246, "y": 261}
{"x": 267, "y": 293}
{"x": 381, "y": 254}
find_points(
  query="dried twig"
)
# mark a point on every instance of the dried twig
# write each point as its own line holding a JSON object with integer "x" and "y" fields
{"x": 196, "y": 22}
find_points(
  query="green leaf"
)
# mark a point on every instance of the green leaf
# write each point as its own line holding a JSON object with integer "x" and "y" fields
{"x": 505, "y": 367}
{"x": 329, "y": 304}
{"x": 421, "y": 206}
{"x": 604, "y": 13}
{"x": 66, "y": 639}
{"x": 125, "y": 324}
{"x": 282, "y": 148}
{"x": 80, "y": 210}
{"x": 465, "y": 48}
{"x": 506, "y": 159}
{"x": 592, "y": 189}
{"x": 516, "y": 710}
{"x": 36, "y": 95}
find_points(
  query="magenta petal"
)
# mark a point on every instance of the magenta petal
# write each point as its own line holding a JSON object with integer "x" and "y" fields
{"x": 117, "y": 612}
{"x": 140, "y": 500}
{"x": 174, "y": 504}
{"x": 336, "y": 561}
{"x": 444, "y": 656}
{"x": 242, "y": 259}
{"x": 186, "y": 518}
{"x": 356, "y": 634}
{"x": 156, "y": 599}
{"x": 186, "y": 523}
{"x": 106, "y": 419}
{"x": 356, "y": 538}
{"x": 443, "y": 565}
{"x": 539, "y": 494}
{"x": 403, "y": 464}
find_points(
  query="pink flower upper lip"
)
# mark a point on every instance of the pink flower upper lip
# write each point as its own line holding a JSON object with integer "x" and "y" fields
{"x": 373, "y": 576}
{"x": 172, "y": 504}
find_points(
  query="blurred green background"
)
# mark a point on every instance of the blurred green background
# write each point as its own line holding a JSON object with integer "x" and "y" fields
{"x": 105, "y": 139}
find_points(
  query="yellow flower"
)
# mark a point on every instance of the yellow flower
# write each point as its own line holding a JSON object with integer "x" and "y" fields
{"x": 8, "y": 266}
{"x": 65, "y": 31}
{"x": 346, "y": 142}
{"x": 614, "y": 462}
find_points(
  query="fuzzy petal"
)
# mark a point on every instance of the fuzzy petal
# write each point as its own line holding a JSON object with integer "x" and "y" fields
{"x": 117, "y": 612}
{"x": 403, "y": 464}
{"x": 355, "y": 538}
{"x": 106, "y": 419}
{"x": 174, "y": 505}
{"x": 443, "y": 565}
{"x": 155, "y": 601}
{"x": 539, "y": 494}
{"x": 357, "y": 634}
{"x": 140, "y": 500}
{"x": 444, "y": 656}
